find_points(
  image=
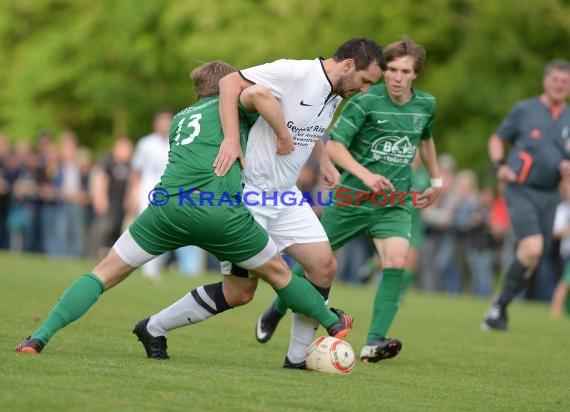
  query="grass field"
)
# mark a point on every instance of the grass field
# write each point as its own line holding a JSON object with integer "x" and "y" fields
{"x": 96, "y": 364}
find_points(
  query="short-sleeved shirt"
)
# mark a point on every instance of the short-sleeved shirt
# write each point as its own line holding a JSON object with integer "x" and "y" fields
{"x": 539, "y": 143}
{"x": 382, "y": 135}
{"x": 195, "y": 138}
{"x": 150, "y": 159}
{"x": 561, "y": 220}
{"x": 117, "y": 175}
{"x": 308, "y": 103}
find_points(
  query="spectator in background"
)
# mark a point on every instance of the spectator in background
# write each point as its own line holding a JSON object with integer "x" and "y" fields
{"x": 110, "y": 179}
{"x": 420, "y": 182}
{"x": 561, "y": 231}
{"x": 538, "y": 131}
{"x": 148, "y": 164}
{"x": 23, "y": 205}
{"x": 49, "y": 197}
{"x": 4, "y": 190}
{"x": 465, "y": 204}
{"x": 438, "y": 249}
{"x": 481, "y": 245}
{"x": 500, "y": 228}
{"x": 70, "y": 222}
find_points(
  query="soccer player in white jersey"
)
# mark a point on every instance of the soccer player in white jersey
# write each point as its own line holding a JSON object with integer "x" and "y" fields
{"x": 309, "y": 92}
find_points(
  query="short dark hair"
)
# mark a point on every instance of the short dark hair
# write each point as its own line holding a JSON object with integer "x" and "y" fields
{"x": 557, "y": 64}
{"x": 363, "y": 51}
{"x": 406, "y": 47}
{"x": 207, "y": 76}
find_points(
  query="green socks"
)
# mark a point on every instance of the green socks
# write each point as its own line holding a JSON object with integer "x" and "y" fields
{"x": 74, "y": 302}
{"x": 302, "y": 297}
{"x": 385, "y": 303}
{"x": 279, "y": 304}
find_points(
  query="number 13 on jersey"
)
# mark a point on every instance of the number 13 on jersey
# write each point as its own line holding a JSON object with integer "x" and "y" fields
{"x": 194, "y": 126}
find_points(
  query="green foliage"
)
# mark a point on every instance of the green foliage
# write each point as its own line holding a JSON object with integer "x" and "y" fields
{"x": 103, "y": 68}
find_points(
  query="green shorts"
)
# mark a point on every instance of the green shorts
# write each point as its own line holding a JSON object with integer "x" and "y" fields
{"x": 343, "y": 223}
{"x": 229, "y": 232}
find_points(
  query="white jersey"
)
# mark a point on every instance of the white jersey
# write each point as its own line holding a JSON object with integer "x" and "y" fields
{"x": 305, "y": 94}
{"x": 150, "y": 159}
{"x": 561, "y": 220}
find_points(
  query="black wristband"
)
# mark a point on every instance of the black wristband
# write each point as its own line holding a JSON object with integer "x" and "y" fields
{"x": 498, "y": 163}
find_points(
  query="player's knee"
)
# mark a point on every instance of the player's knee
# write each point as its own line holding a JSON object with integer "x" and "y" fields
{"x": 112, "y": 270}
{"x": 530, "y": 251}
{"x": 244, "y": 297}
{"x": 396, "y": 262}
{"x": 240, "y": 296}
{"x": 325, "y": 273}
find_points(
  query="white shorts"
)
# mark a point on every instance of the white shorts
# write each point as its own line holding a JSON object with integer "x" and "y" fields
{"x": 286, "y": 224}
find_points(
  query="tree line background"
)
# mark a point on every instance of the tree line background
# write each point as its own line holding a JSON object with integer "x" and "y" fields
{"x": 103, "y": 68}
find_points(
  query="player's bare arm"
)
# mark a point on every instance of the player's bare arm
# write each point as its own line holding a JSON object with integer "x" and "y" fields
{"x": 564, "y": 168}
{"x": 497, "y": 154}
{"x": 340, "y": 155}
{"x": 231, "y": 87}
{"x": 259, "y": 99}
{"x": 428, "y": 156}
{"x": 329, "y": 176}
{"x": 130, "y": 203}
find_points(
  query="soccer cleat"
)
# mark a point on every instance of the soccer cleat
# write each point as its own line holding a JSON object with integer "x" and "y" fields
{"x": 30, "y": 346}
{"x": 496, "y": 318}
{"x": 155, "y": 347}
{"x": 379, "y": 349}
{"x": 267, "y": 323}
{"x": 342, "y": 327}
{"x": 287, "y": 364}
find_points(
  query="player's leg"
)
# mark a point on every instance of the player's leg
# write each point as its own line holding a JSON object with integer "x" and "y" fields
{"x": 125, "y": 256}
{"x": 526, "y": 223}
{"x": 300, "y": 296}
{"x": 340, "y": 225}
{"x": 196, "y": 306}
{"x": 232, "y": 234}
{"x": 393, "y": 253}
{"x": 416, "y": 241}
{"x": 320, "y": 266}
{"x": 297, "y": 231}
{"x": 391, "y": 232}
{"x": 561, "y": 292}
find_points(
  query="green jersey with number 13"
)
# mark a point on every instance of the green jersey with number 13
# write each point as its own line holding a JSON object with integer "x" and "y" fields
{"x": 195, "y": 139}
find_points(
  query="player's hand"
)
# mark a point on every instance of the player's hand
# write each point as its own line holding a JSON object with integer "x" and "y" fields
{"x": 285, "y": 145}
{"x": 428, "y": 197}
{"x": 230, "y": 150}
{"x": 506, "y": 174}
{"x": 378, "y": 183}
{"x": 564, "y": 168}
{"x": 329, "y": 176}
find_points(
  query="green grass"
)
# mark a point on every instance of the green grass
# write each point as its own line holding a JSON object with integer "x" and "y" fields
{"x": 96, "y": 364}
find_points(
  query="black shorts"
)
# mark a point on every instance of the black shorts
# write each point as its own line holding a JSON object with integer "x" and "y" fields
{"x": 531, "y": 211}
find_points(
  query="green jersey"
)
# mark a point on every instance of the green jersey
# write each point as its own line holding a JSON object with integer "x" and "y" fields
{"x": 383, "y": 136}
{"x": 195, "y": 138}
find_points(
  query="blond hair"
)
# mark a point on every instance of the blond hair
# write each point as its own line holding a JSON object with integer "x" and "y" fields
{"x": 207, "y": 76}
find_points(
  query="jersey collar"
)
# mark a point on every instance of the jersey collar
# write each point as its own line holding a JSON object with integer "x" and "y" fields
{"x": 331, "y": 94}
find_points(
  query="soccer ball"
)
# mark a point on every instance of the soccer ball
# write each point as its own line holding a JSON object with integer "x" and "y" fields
{"x": 331, "y": 355}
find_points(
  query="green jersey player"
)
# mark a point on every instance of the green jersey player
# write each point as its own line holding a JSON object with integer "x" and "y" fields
{"x": 374, "y": 141}
{"x": 228, "y": 231}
